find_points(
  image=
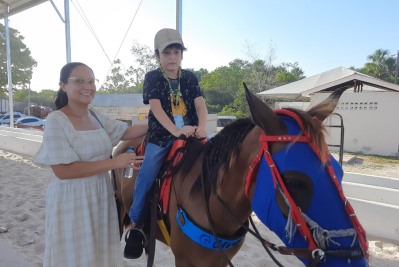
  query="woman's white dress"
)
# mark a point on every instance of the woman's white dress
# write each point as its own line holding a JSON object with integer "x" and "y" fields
{"x": 81, "y": 218}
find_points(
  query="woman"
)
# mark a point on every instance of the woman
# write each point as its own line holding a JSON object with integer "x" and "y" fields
{"x": 81, "y": 218}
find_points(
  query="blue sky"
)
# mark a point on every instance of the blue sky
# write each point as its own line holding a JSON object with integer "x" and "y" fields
{"x": 319, "y": 35}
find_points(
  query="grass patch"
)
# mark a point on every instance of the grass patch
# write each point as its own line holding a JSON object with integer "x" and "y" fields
{"x": 375, "y": 159}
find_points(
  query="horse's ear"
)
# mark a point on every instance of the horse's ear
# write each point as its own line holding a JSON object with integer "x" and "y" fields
{"x": 326, "y": 107}
{"x": 262, "y": 114}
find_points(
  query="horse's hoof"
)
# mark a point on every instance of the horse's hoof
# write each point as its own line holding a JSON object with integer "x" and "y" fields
{"x": 135, "y": 241}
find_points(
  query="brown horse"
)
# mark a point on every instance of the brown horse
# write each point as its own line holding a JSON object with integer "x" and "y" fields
{"x": 214, "y": 189}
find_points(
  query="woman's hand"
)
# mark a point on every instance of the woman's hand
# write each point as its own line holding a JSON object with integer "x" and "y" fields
{"x": 126, "y": 160}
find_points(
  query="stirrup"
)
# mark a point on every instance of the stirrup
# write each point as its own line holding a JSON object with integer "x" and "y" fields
{"x": 135, "y": 240}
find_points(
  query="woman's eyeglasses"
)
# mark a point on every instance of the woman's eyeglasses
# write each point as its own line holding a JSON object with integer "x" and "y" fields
{"x": 79, "y": 81}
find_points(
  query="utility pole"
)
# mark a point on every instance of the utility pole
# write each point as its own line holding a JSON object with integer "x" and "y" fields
{"x": 29, "y": 99}
{"x": 9, "y": 76}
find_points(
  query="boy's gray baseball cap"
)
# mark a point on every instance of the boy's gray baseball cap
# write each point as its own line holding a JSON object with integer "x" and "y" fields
{"x": 166, "y": 37}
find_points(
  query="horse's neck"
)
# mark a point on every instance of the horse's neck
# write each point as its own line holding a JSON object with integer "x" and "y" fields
{"x": 231, "y": 187}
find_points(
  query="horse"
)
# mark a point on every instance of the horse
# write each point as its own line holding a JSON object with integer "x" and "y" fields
{"x": 253, "y": 165}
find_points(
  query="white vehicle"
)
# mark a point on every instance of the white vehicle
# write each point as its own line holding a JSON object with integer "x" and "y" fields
{"x": 5, "y": 120}
{"x": 30, "y": 122}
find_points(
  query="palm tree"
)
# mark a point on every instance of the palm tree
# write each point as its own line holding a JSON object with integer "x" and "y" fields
{"x": 381, "y": 65}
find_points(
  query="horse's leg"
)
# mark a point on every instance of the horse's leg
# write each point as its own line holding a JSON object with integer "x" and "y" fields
{"x": 125, "y": 186}
{"x": 127, "y": 196}
{"x": 116, "y": 174}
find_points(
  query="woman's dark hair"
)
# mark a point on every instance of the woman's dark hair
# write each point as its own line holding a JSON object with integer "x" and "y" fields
{"x": 61, "y": 99}
{"x": 177, "y": 46}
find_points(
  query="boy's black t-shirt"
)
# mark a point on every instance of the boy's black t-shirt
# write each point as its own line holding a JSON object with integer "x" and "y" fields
{"x": 157, "y": 87}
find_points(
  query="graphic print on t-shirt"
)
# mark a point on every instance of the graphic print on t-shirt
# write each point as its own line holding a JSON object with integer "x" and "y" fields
{"x": 179, "y": 110}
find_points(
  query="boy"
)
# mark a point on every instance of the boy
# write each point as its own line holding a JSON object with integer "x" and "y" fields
{"x": 177, "y": 107}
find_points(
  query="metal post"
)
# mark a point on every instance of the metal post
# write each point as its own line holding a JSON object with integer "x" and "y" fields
{"x": 179, "y": 14}
{"x": 397, "y": 68}
{"x": 9, "y": 70}
{"x": 67, "y": 31}
{"x": 66, "y": 21}
{"x": 179, "y": 7}
{"x": 29, "y": 99}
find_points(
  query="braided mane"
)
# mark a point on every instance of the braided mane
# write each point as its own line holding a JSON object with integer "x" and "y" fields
{"x": 219, "y": 151}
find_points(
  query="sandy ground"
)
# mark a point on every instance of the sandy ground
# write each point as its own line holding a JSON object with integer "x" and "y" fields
{"x": 22, "y": 207}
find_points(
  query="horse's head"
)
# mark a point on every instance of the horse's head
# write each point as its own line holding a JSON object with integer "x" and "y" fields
{"x": 296, "y": 184}
{"x": 282, "y": 129}
{"x": 312, "y": 120}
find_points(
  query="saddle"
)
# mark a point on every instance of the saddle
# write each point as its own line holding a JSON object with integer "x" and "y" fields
{"x": 157, "y": 202}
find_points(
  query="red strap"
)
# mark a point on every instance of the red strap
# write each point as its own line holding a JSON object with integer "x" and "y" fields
{"x": 167, "y": 180}
{"x": 305, "y": 133}
{"x": 253, "y": 169}
{"x": 164, "y": 195}
{"x": 176, "y": 144}
{"x": 293, "y": 115}
{"x": 361, "y": 233}
{"x": 140, "y": 150}
{"x": 295, "y": 212}
{"x": 283, "y": 138}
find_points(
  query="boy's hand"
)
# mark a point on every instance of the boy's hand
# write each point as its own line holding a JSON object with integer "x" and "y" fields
{"x": 187, "y": 131}
{"x": 200, "y": 132}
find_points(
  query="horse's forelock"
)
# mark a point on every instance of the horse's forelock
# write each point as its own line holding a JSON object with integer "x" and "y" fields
{"x": 315, "y": 128}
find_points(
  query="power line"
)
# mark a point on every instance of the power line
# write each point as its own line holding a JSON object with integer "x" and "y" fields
{"x": 87, "y": 22}
{"x": 127, "y": 31}
{"x": 124, "y": 37}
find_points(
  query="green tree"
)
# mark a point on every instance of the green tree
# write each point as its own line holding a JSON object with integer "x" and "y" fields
{"x": 130, "y": 80}
{"x": 22, "y": 63}
{"x": 224, "y": 79}
{"x": 381, "y": 65}
{"x": 288, "y": 73}
{"x": 116, "y": 83}
{"x": 145, "y": 61}
{"x": 23, "y": 95}
{"x": 238, "y": 107}
{"x": 43, "y": 98}
{"x": 216, "y": 100}
{"x": 221, "y": 85}
{"x": 199, "y": 73}
{"x": 258, "y": 76}
{"x": 144, "y": 58}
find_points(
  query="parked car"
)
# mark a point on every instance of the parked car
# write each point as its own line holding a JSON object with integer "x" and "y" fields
{"x": 30, "y": 122}
{"x": 6, "y": 118}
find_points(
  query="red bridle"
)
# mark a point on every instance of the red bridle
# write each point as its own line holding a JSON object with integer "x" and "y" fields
{"x": 264, "y": 151}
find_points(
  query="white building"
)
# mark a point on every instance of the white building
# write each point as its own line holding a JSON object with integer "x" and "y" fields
{"x": 369, "y": 109}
